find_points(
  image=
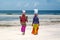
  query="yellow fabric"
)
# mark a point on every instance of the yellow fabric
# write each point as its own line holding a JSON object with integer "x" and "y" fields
{"x": 35, "y": 29}
{"x": 35, "y": 26}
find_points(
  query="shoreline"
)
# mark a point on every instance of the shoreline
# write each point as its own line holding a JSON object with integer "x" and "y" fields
{"x": 17, "y": 23}
{"x": 45, "y": 20}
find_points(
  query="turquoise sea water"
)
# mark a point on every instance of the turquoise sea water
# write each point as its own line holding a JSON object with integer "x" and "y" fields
{"x": 29, "y": 12}
{"x": 18, "y": 12}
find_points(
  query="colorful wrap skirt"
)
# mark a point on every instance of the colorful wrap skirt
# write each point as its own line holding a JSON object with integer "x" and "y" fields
{"x": 35, "y": 29}
{"x": 23, "y": 28}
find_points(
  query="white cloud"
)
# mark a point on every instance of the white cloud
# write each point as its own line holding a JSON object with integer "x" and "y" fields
{"x": 36, "y": 4}
{"x": 27, "y": 5}
{"x": 18, "y": 4}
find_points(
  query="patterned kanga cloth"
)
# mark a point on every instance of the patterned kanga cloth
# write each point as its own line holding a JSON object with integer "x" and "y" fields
{"x": 23, "y": 28}
{"x": 35, "y": 29}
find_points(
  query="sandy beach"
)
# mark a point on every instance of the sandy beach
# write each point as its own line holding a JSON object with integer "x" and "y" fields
{"x": 49, "y": 29}
{"x": 46, "y": 32}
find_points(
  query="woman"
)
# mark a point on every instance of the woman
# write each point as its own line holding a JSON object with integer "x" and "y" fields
{"x": 23, "y": 20}
{"x": 35, "y": 24}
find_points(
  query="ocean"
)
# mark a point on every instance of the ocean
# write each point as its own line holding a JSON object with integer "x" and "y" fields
{"x": 28, "y": 12}
{"x": 18, "y": 12}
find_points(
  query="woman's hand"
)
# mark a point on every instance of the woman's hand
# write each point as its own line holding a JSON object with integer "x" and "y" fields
{"x": 32, "y": 24}
{"x": 38, "y": 24}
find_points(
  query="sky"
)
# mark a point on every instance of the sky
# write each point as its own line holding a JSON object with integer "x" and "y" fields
{"x": 29, "y": 4}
